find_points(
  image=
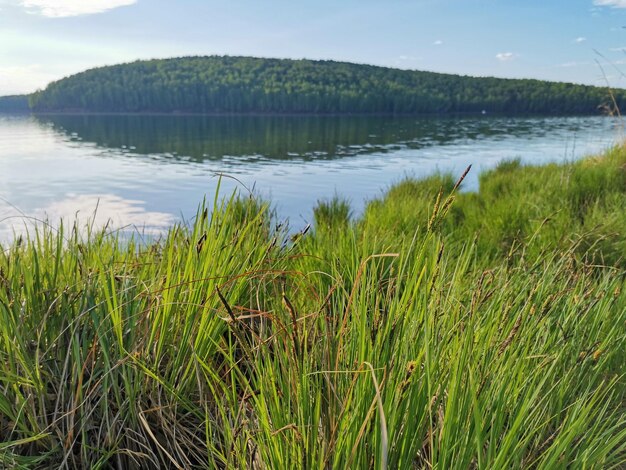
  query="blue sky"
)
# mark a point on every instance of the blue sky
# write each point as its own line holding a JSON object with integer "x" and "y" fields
{"x": 44, "y": 40}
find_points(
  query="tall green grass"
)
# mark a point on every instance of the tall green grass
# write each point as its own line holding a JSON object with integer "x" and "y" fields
{"x": 437, "y": 331}
{"x": 521, "y": 210}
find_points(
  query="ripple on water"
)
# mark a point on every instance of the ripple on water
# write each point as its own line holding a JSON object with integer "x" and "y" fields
{"x": 150, "y": 170}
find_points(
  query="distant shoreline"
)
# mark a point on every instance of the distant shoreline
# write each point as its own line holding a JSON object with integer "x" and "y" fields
{"x": 274, "y": 114}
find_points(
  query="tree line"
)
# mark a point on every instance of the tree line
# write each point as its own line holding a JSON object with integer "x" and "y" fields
{"x": 223, "y": 84}
{"x": 14, "y": 103}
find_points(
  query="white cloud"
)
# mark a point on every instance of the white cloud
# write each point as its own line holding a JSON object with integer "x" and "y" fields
{"x": 505, "y": 56}
{"x": 572, "y": 64}
{"x": 611, "y": 3}
{"x": 580, "y": 39}
{"x": 438, "y": 42}
{"x": 405, "y": 61}
{"x": 407, "y": 57}
{"x": 63, "y": 8}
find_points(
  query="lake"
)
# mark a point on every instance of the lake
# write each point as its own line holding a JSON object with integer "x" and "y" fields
{"x": 147, "y": 172}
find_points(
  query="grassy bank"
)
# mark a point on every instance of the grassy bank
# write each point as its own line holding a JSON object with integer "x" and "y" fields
{"x": 439, "y": 330}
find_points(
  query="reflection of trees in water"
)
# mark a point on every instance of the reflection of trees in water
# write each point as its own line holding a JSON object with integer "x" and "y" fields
{"x": 283, "y": 137}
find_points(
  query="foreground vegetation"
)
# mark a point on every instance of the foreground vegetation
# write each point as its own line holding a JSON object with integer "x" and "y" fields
{"x": 482, "y": 332}
{"x": 246, "y": 84}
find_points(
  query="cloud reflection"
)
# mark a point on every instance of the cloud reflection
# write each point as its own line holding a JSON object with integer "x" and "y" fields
{"x": 108, "y": 211}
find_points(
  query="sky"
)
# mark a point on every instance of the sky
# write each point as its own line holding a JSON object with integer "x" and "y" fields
{"x": 580, "y": 41}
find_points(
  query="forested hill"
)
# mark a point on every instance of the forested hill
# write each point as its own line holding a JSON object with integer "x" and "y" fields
{"x": 14, "y": 104}
{"x": 247, "y": 85}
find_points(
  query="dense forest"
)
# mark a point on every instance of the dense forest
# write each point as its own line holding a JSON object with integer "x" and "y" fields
{"x": 14, "y": 103}
{"x": 254, "y": 85}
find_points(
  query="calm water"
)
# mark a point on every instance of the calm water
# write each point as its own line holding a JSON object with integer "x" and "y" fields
{"x": 149, "y": 171}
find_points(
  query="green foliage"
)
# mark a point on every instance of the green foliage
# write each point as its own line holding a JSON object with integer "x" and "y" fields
{"x": 521, "y": 210}
{"x": 334, "y": 213}
{"x": 225, "y": 84}
{"x": 420, "y": 342}
{"x": 591, "y": 182}
{"x": 408, "y": 205}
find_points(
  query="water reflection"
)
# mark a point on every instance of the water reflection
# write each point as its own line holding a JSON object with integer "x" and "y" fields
{"x": 96, "y": 210}
{"x": 111, "y": 210}
{"x": 148, "y": 171}
{"x": 280, "y": 138}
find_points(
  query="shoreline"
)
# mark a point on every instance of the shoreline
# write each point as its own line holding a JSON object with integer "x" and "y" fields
{"x": 304, "y": 114}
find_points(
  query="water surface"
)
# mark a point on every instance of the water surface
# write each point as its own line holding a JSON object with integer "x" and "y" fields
{"x": 146, "y": 172}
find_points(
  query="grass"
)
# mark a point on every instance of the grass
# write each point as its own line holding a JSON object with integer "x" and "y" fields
{"x": 521, "y": 211}
{"x": 439, "y": 330}
{"x": 332, "y": 214}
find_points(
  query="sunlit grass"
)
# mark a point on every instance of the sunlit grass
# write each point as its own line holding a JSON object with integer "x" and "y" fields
{"x": 521, "y": 210}
{"x": 440, "y": 330}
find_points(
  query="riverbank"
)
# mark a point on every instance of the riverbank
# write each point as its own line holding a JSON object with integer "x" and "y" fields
{"x": 439, "y": 329}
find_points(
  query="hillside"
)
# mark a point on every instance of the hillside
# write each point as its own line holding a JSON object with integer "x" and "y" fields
{"x": 14, "y": 103}
{"x": 248, "y": 85}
